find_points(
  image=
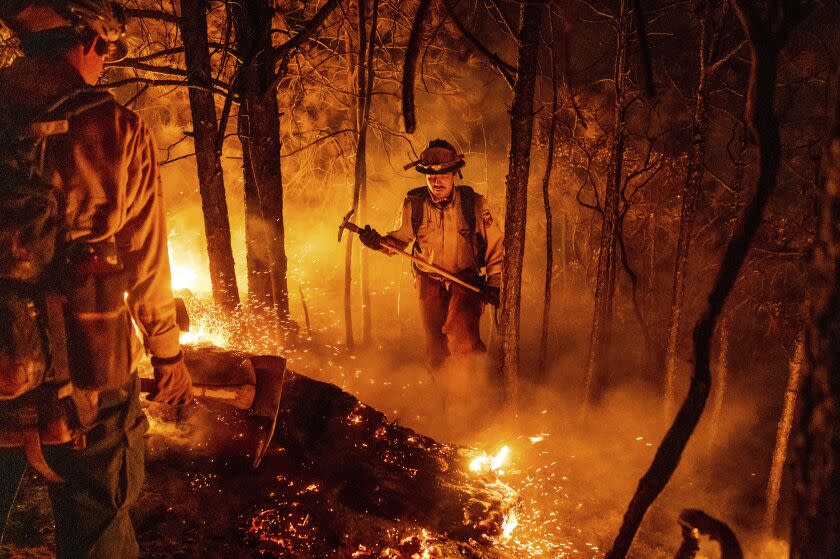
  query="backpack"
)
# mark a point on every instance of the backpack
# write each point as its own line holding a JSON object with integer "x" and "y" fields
{"x": 35, "y": 387}
{"x": 418, "y": 196}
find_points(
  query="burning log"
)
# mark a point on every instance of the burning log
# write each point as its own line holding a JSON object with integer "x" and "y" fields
{"x": 338, "y": 477}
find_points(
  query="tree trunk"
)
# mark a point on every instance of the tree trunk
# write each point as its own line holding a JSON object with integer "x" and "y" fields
{"x": 721, "y": 376}
{"x": 259, "y": 132}
{"x": 549, "y": 240}
{"x": 362, "y": 85}
{"x": 353, "y": 104}
{"x": 516, "y": 195}
{"x": 690, "y": 197}
{"x": 764, "y": 49}
{"x": 595, "y": 378}
{"x": 774, "y": 482}
{"x": 365, "y": 96}
{"x": 816, "y": 517}
{"x": 211, "y": 182}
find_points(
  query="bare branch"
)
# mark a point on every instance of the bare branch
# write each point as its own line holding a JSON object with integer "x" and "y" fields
{"x": 308, "y": 29}
{"x": 506, "y": 70}
{"x": 726, "y": 58}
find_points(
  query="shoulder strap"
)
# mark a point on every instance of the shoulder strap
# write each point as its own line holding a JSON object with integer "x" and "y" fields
{"x": 468, "y": 204}
{"x": 417, "y": 196}
{"x": 479, "y": 244}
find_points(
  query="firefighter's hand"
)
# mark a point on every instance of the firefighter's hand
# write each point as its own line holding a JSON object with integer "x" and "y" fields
{"x": 491, "y": 295}
{"x": 173, "y": 384}
{"x": 370, "y": 238}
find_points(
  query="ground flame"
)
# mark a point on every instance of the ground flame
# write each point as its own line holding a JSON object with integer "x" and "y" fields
{"x": 486, "y": 464}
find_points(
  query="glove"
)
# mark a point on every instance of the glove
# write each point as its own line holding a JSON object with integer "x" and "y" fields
{"x": 370, "y": 238}
{"x": 173, "y": 384}
{"x": 491, "y": 295}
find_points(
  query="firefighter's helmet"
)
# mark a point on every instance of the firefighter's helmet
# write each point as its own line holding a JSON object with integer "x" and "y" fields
{"x": 101, "y": 18}
{"x": 439, "y": 158}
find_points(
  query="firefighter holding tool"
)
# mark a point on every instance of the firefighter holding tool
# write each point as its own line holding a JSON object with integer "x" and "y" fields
{"x": 456, "y": 247}
{"x": 82, "y": 251}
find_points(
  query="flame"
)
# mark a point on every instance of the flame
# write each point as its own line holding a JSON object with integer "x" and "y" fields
{"x": 485, "y": 463}
{"x": 510, "y": 522}
{"x": 186, "y": 269}
{"x": 201, "y": 336}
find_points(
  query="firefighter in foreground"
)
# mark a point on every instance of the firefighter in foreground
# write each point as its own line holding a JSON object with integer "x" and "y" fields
{"x": 450, "y": 226}
{"x": 112, "y": 249}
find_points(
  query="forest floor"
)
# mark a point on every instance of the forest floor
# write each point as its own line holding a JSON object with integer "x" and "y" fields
{"x": 573, "y": 479}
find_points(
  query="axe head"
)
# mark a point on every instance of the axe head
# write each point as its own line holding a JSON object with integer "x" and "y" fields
{"x": 344, "y": 221}
{"x": 271, "y": 372}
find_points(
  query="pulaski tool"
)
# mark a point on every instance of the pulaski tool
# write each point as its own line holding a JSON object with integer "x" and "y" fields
{"x": 353, "y": 228}
{"x": 252, "y": 383}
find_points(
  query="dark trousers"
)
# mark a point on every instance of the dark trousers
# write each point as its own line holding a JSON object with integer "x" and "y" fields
{"x": 101, "y": 481}
{"x": 451, "y": 319}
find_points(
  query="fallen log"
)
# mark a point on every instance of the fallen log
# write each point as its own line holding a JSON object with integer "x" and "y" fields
{"x": 338, "y": 474}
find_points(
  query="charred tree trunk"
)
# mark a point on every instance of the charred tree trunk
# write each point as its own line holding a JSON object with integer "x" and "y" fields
{"x": 816, "y": 516}
{"x": 516, "y": 196}
{"x": 549, "y": 224}
{"x": 259, "y": 133}
{"x": 595, "y": 378}
{"x": 211, "y": 184}
{"x": 765, "y": 44}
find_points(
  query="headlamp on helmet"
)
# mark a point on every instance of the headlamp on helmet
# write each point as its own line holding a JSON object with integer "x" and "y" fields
{"x": 104, "y": 18}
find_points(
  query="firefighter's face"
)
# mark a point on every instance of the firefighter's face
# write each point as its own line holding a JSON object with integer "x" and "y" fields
{"x": 88, "y": 61}
{"x": 441, "y": 185}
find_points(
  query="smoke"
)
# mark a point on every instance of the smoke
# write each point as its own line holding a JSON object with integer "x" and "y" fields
{"x": 575, "y": 478}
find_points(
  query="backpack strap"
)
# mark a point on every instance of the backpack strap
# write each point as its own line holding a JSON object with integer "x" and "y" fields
{"x": 417, "y": 197}
{"x": 467, "y": 204}
{"x": 479, "y": 243}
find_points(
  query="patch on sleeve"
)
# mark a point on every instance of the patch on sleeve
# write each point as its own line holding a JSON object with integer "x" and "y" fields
{"x": 486, "y": 218}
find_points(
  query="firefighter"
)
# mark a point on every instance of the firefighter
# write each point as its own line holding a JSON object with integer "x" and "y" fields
{"x": 105, "y": 167}
{"x": 451, "y": 226}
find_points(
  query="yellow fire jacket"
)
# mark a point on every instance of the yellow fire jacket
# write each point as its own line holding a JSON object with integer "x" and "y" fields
{"x": 107, "y": 167}
{"x": 443, "y": 238}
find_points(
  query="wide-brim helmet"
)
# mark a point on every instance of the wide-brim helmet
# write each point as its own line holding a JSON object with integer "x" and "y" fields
{"x": 438, "y": 159}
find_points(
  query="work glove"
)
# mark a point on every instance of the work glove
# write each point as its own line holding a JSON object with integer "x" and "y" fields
{"x": 491, "y": 295}
{"x": 370, "y": 238}
{"x": 173, "y": 384}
